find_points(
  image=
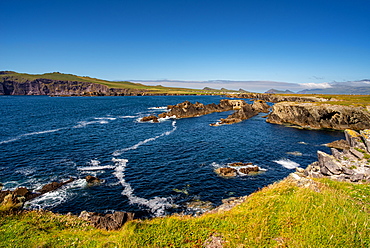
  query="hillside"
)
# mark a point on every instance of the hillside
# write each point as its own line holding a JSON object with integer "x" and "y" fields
{"x": 323, "y": 213}
{"x": 13, "y": 83}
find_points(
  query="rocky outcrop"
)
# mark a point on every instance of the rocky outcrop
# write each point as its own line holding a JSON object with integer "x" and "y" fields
{"x": 320, "y": 116}
{"x": 238, "y": 168}
{"x": 187, "y": 109}
{"x": 245, "y": 112}
{"x": 352, "y": 163}
{"x": 107, "y": 221}
{"x": 16, "y": 198}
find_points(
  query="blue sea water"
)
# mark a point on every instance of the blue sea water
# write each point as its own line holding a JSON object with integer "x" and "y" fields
{"x": 151, "y": 169}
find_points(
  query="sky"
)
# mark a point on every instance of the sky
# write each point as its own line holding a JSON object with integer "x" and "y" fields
{"x": 289, "y": 41}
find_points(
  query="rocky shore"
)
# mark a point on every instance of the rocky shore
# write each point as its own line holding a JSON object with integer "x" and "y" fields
{"x": 320, "y": 116}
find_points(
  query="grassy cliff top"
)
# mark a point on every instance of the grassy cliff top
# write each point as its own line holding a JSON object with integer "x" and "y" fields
{"x": 330, "y": 214}
{"x": 23, "y": 77}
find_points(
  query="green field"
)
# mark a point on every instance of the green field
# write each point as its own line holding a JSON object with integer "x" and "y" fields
{"x": 336, "y": 214}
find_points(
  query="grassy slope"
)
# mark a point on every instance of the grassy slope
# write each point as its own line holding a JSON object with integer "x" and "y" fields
{"x": 279, "y": 215}
{"x": 22, "y": 77}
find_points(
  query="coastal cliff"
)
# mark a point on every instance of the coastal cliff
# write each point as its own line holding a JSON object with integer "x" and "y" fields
{"x": 42, "y": 86}
{"x": 320, "y": 116}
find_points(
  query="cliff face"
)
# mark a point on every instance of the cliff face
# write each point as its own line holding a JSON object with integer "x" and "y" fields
{"x": 9, "y": 86}
{"x": 319, "y": 116}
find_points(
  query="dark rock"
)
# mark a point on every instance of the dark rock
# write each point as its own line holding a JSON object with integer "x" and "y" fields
{"x": 248, "y": 170}
{"x": 107, "y": 221}
{"x": 150, "y": 118}
{"x": 22, "y": 191}
{"x": 91, "y": 180}
{"x": 226, "y": 172}
{"x": 53, "y": 186}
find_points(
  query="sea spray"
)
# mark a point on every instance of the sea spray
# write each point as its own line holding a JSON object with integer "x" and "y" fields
{"x": 287, "y": 163}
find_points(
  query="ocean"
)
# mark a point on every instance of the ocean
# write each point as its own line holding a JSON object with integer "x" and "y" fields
{"x": 151, "y": 169}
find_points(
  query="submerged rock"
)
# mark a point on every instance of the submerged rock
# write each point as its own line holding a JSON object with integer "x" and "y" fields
{"x": 91, "y": 180}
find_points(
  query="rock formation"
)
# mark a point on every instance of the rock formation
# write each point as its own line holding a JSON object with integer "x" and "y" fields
{"x": 320, "y": 116}
{"x": 351, "y": 163}
{"x": 91, "y": 180}
{"x": 107, "y": 221}
{"x": 237, "y": 168}
{"x": 16, "y": 199}
{"x": 245, "y": 112}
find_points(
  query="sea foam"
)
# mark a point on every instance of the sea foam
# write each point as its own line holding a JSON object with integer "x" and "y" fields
{"x": 287, "y": 163}
{"x": 156, "y": 205}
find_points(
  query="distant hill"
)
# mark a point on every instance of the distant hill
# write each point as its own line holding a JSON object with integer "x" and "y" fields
{"x": 274, "y": 91}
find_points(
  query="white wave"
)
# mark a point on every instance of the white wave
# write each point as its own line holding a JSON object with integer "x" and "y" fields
{"x": 127, "y": 117}
{"x": 25, "y": 171}
{"x": 57, "y": 197}
{"x": 82, "y": 124}
{"x": 287, "y": 163}
{"x": 105, "y": 118}
{"x": 156, "y": 205}
{"x": 30, "y": 134}
{"x": 158, "y": 108}
{"x": 134, "y": 147}
{"x": 302, "y": 143}
{"x": 95, "y": 168}
{"x": 94, "y": 162}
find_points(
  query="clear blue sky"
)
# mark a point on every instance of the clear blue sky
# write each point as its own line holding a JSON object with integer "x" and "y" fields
{"x": 294, "y": 41}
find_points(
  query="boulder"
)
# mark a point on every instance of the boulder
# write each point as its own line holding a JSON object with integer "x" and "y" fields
{"x": 91, "y": 180}
{"x": 226, "y": 172}
{"x": 107, "y": 221}
{"x": 247, "y": 170}
{"x": 150, "y": 118}
{"x": 328, "y": 164}
{"x": 53, "y": 186}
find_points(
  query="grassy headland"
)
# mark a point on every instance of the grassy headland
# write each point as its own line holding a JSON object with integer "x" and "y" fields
{"x": 23, "y": 77}
{"x": 336, "y": 214}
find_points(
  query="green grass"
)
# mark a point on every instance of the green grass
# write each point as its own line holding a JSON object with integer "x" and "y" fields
{"x": 280, "y": 215}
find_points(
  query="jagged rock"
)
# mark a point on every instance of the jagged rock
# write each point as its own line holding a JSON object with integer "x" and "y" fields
{"x": 240, "y": 164}
{"x": 107, "y": 221}
{"x": 328, "y": 164}
{"x": 226, "y": 172}
{"x": 261, "y": 106}
{"x": 339, "y": 144}
{"x": 366, "y": 137}
{"x": 354, "y": 139}
{"x": 336, "y": 153}
{"x": 1, "y": 186}
{"x": 150, "y": 118}
{"x": 356, "y": 153}
{"x": 91, "y": 180}
{"x": 248, "y": 170}
{"x": 53, "y": 186}
{"x": 356, "y": 177}
{"x": 319, "y": 116}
